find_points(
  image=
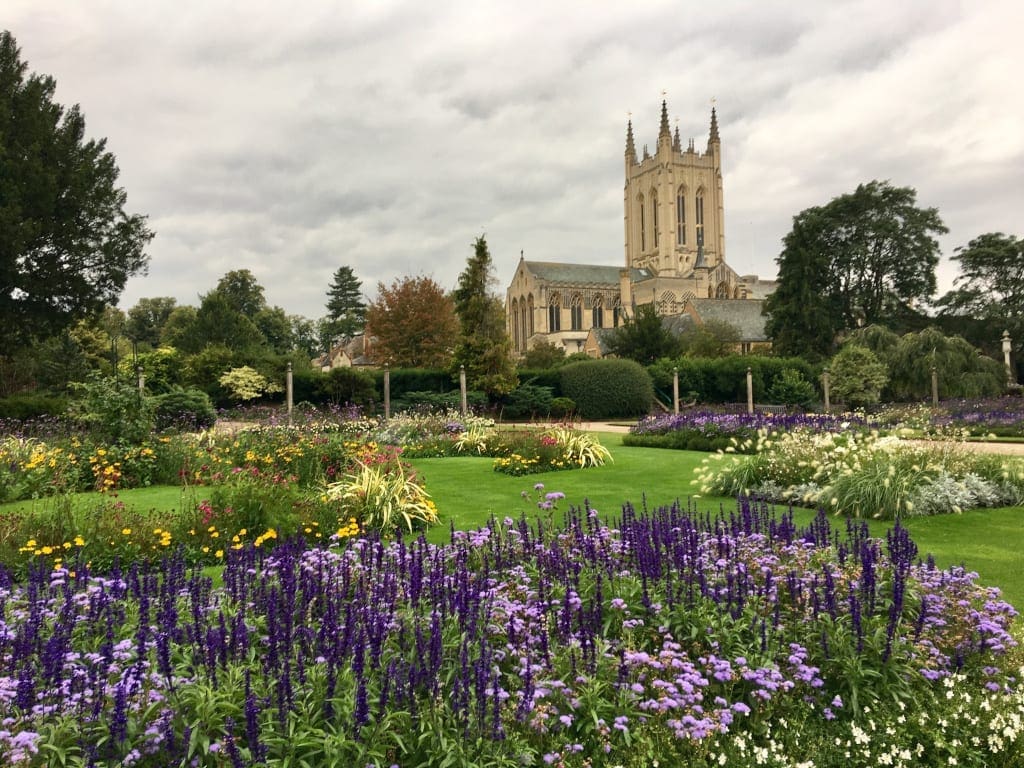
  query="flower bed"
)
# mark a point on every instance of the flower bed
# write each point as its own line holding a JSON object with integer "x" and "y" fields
{"x": 863, "y": 475}
{"x": 667, "y": 639}
{"x": 700, "y": 430}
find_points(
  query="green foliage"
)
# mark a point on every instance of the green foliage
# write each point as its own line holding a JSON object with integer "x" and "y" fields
{"x": 242, "y": 292}
{"x": 857, "y": 376}
{"x": 988, "y": 295}
{"x": 962, "y": 370}
{"x": 162, "y": 368}
{"x": 543, "y": 354}
{"x": 608, "y": 388}
{"x": 643, "y": 338}
{"x": 484, "y": 349}
{"x": 712, "y": 338}
{"x": 184, "y": 409}
{"x": 67, "y": 246}
{"x": 863, "y": 258}
{"x": 342, "y": 386}
{"x": 346, "y": 310}
{"x": 791, "y": 388}
{"x": 245, "y": 383}
{"x": 724, "y": 379}
{"x": 146, "y": 320}
{"x": 527, "y": 401}
{"x": 31, "y": 405}
{"x": 113, "y": 410}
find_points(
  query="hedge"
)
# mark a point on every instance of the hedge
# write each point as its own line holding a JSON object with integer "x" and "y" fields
{"x": 608, "y": 388}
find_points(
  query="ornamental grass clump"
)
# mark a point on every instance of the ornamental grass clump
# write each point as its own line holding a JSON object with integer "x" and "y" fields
{"x": 384, "y": 497}
{"x": 864, "y": 475}
{"x": 668, "y": 637}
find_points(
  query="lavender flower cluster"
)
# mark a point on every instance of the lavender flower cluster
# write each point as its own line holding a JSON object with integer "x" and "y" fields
{"x": 572, "y": 639}
{"x": 716, "y": 423}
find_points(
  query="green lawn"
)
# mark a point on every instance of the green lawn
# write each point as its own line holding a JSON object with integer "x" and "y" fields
{"x": 468, "y": 492}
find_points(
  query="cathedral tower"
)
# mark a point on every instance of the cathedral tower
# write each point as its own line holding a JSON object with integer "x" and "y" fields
{"x": 674, "y": 221}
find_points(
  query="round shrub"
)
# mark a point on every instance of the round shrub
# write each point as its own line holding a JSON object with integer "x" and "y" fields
{"x": 605, "y": 389}
{"x": 184, "y": 409}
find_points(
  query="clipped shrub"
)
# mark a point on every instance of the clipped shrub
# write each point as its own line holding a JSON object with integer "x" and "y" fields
{"x": 562, "y": 408}
{"x": 791, "y": 388}
{"x": 341, "y": 386}
{"x": 527, "y": 401}
{"x": 608, "y": 388}
{"x": 184, "y": 410}
{"x": 31, "y": 406}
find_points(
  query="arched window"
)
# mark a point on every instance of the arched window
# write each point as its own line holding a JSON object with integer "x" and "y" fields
{"x": 529, "y": 312}
{"x": 681, "y": 216}
{"x": 654, "y": 218}
{"x": 554, "y": 312}
{"x": 722, "y": 292}
{"x": 617, "y": 312}
{"x": 515, "y": 325}
{"x": 522, "y": 322}
{"x": 597, "y": 312}
{"x": 576, "y": 312}
{"x": 698, "y": 217}
{"x": 643, "y": 225}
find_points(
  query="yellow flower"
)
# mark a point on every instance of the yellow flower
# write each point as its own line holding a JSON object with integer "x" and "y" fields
{"x": 47, "y": 550}
{"x": 205, "y": 550}
{"x": 219, "y": 553}
{"x": 31, "y": 543}
{"x": 126, "y": 531}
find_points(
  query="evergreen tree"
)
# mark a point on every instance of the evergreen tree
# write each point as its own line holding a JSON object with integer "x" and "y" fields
{"x": 643, "y": 338}
{"x": 67, "y": 247}
{"x": 484, "y": 347}
{"x": 346, "y": 310}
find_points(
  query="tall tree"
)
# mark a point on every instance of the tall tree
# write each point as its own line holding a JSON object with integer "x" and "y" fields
{"x": 242, "y": 291}
{"x": 147, "y": 318}
{"x": 484, "y": 347}
{"x": 346, "y": 310}
{"x": 67, "y": 247}
{"x": 413, "y": 323}
{"x": 643, "y": 337}
{"x": 865, "y": 257}
{"x": 989, "y": 293}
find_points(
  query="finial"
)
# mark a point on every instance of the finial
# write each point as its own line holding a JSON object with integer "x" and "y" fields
{"x": 664, "y": 133}
{"x": 676, "y": 145}
{"x": 630, "y": 146}
{"x": 713, "y": 136}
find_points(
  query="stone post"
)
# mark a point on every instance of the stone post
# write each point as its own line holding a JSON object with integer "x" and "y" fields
{"x": 141, "y": 377}
{"x": 935, "y": 387}
{"x": 462, "y": 387}
{"x": 387, "y": 391}
{"x": 750, "y": 390}
{"x": 825, "y": 387}
{"x": 675, "y": 390}
{"x": 1007, "y": 348}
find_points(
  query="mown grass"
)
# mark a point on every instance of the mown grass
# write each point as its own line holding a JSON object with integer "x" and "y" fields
{"x": 468, "y": 492}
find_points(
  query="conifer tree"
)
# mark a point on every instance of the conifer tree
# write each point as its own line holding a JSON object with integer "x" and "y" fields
{"x": 484, "y": 347}
{"x": 346, "y": 310}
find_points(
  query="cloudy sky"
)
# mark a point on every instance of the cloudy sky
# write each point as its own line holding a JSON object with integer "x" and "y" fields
{"x": 386, "y": 135}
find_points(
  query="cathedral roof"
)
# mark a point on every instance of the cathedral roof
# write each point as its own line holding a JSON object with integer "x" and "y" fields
{"x": 743, "y": 314}
{"x": 581, "y": 274}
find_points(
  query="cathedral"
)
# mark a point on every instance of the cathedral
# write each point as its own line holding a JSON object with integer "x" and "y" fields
{"x": 675, "y": 257}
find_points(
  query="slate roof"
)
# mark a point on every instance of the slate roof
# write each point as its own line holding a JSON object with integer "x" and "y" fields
{"x": 743, "y": 314}
{"x": 581, "y": 274}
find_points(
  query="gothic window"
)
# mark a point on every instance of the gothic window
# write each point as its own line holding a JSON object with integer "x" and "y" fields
{"x": 643, "y": 225}
{"x": 576, "y": 312}
{"x": 529, "y": 311}
{"x": 654, "y": 218}
{"x": 681, "y": 216}
{"x": 554, "y": 313}
{"x": 522, "y": 321}
{"x": 515, "y": 324}
{"x": 698, "y": 217}
{"x": 597, "y": 312}
{"x": 722, "y": 292}
{"x": 616, "y": 313}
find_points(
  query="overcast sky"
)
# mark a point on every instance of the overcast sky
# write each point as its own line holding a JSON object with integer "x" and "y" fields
{"x": 294, "y": 138}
